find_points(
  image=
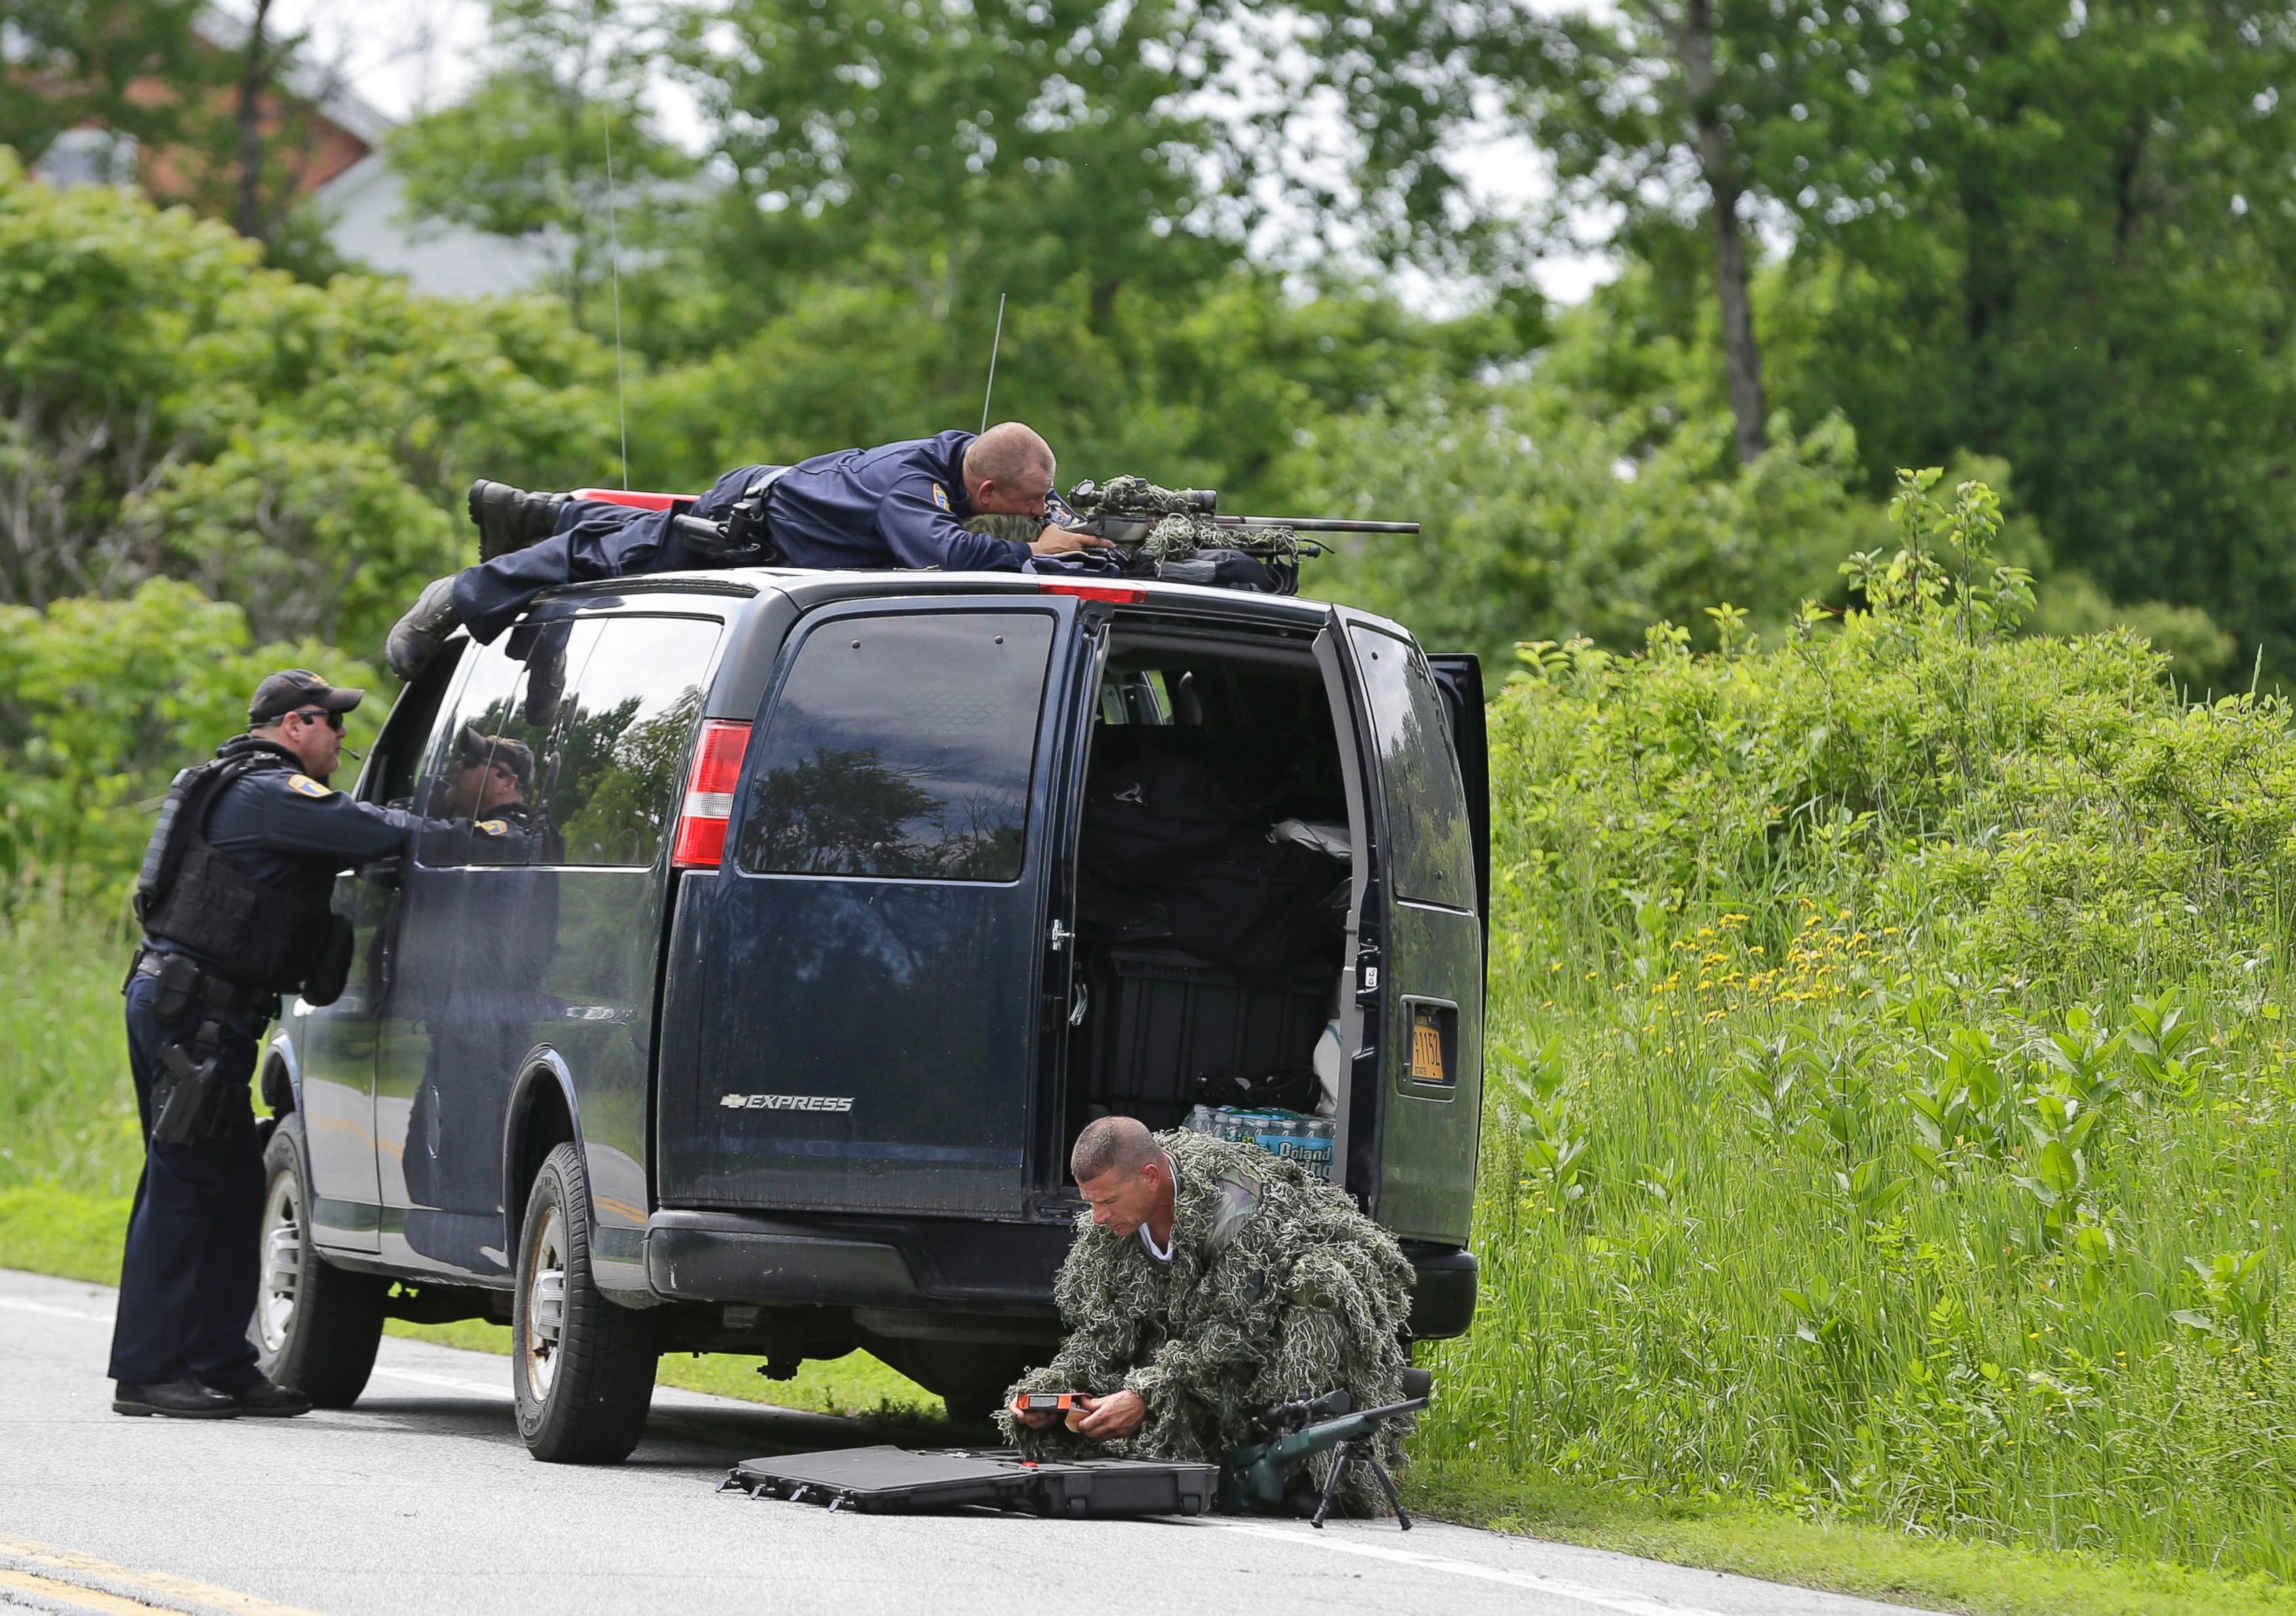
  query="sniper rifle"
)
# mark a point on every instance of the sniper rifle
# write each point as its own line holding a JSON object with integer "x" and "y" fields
{"x": 1127, "y": 512}
{"x": 1262, "y": 1472}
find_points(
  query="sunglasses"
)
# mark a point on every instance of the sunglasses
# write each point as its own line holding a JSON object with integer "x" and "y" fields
{"x": 333, "y": 720}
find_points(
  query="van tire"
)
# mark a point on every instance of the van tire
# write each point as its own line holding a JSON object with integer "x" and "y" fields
{"x": 316, "y": 1327}
{"x": 582, "y": 1368}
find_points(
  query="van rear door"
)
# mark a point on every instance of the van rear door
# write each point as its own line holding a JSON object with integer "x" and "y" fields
{"x": 1459, "y": 676}
{"x": 875, "y": 942}
{"x": 1422, "y": 981}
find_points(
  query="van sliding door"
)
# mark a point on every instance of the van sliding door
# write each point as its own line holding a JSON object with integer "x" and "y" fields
{"x": 876, "y": 941}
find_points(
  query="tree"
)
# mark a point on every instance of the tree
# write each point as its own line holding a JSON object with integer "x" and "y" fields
{"x": 1214, "y": 387}
{"x": 75, "y": 62}
{"x": 101, "y": 701}
{"x": 2067, "y": 239}
{"x": 195, "y": 99}
{"x": 164, "y": 400}
{"x": 957, "y": 150}
{"x": 1653, "y": 113}
{"x": 554, "y": 146}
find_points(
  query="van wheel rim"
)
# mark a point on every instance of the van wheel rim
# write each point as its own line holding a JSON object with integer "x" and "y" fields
{"x": 546, "y": 1304}
{"x": 283, "y": 1264}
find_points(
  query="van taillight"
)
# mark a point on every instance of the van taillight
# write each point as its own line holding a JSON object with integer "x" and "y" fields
{"x": 700, "y": 843}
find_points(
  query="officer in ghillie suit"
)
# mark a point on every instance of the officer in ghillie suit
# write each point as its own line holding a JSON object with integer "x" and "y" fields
{"x": 1210, "y": 1281}
{"x": 900, "y": 504}
{"x": 233, "y": 901}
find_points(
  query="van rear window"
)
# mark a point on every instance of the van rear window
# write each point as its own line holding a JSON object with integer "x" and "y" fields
{"x": 901, "y": 746}
{"x": 1432, "y": 855}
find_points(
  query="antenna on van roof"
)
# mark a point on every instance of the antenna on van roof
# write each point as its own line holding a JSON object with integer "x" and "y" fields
{"x": 614, "y": 257}
{"x": 994, "y": 343}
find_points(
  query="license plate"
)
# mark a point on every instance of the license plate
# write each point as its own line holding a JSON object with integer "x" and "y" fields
{"x": 1426, "y": 1048}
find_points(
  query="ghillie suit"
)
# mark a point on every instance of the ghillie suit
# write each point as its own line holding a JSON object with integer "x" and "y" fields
{"x": 1277, "y": 1289}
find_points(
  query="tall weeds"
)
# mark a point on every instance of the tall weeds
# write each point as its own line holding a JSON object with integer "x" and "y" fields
{"x": 67, "y": 1108}
{"x": 1892, "y": 1111}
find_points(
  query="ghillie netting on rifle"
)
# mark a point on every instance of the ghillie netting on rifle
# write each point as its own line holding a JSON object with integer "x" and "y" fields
{"x": 1277, "y": 1289}
{"x": 1181, "y": 529}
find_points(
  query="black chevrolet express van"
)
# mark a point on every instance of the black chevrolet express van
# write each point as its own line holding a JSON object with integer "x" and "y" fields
{"x": 765, "y": 1021}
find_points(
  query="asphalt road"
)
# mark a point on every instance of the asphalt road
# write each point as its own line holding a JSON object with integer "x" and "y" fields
{"x": 422, "y": 1499}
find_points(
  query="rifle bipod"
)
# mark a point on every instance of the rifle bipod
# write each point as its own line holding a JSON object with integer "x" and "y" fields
{"x": 1361, "y": 1450}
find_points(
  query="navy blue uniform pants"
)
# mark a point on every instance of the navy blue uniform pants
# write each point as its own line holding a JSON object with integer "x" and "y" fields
{"x": 594, "y": 540}
{"x": 188, "y": 1279}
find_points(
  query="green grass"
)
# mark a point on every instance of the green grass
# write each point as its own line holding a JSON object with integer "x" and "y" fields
{"x": 46, "y": 1228}
{"x": 67, "y": 1112}
{"x": 1876, "y": 1561}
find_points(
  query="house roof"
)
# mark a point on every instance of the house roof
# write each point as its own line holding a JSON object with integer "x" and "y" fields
{"x": 321, "y": 88}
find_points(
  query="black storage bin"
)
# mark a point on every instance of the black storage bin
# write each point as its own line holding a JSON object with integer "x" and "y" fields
{"x": 1176, "y": 1024}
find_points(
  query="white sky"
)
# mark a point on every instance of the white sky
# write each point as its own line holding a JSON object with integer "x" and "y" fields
{"x": 415, "y": 55}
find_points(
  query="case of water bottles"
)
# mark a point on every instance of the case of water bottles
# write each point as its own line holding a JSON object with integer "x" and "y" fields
{"x": 1310, "y": 1141}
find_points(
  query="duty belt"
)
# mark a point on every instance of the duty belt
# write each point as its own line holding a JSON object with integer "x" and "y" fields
{"x": 216, "y": 994}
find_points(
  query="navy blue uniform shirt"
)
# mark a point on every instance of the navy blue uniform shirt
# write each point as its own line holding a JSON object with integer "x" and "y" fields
{"x": 279, "y": 826}
{"x": 897, "y": 505}
{"x": 283, "y": 827}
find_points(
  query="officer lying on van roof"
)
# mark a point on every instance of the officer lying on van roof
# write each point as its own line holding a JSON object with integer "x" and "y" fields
{"x": 1210, "y": 1282}
{"x": 903, "y": 505}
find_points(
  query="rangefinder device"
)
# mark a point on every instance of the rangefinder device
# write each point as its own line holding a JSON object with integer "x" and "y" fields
{"x": 1048, "y": 1402}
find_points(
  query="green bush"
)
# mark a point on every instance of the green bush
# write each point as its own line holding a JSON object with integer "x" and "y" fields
{"x": 102, "y": 701}
{"x": 1891, "y": 1114}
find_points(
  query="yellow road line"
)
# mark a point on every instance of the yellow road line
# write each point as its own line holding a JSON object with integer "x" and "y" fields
{"x": 72, "y": 1596}
{"x": 150, "y": 1588}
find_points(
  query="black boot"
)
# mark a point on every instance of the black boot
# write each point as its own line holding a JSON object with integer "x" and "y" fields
{"x": 185, "y": 1399}
{"x": 416, "y": 638}
{"x": 511, "y": 519}
{"x": 264, "y": 1399}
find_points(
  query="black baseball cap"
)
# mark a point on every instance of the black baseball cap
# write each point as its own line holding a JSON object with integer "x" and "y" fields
{"x": 472, "y": 747}
{"x": 290, "y": 688}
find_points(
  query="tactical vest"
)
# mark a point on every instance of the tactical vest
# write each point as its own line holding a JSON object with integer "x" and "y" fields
{"x": 258, "y": 934}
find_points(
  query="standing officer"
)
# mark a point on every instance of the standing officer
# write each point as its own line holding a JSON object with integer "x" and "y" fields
{"x": 902, "y": 504}
{"x": 234, "y": 899}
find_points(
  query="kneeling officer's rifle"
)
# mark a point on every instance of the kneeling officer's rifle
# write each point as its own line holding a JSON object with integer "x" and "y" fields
{"x": 1262, "y": 1473}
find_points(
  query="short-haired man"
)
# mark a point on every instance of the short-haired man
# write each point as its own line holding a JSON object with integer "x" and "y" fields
{"x": 1208, "y": 1281}
{"x": 490, "y": 773}
{"x": 901, "y": 505}
{"x": 233, "y": 899}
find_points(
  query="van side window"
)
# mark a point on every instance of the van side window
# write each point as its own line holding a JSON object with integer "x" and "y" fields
{"x": 901, "y": 746}
{"x": 610, "y": 772}
{"x": 1432, "y": 859}
{"x": 484, "y": 762}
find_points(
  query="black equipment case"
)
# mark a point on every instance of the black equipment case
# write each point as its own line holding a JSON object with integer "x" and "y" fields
{"x": 903, "y": 1480}
{"x": 1182, "y": 1032}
